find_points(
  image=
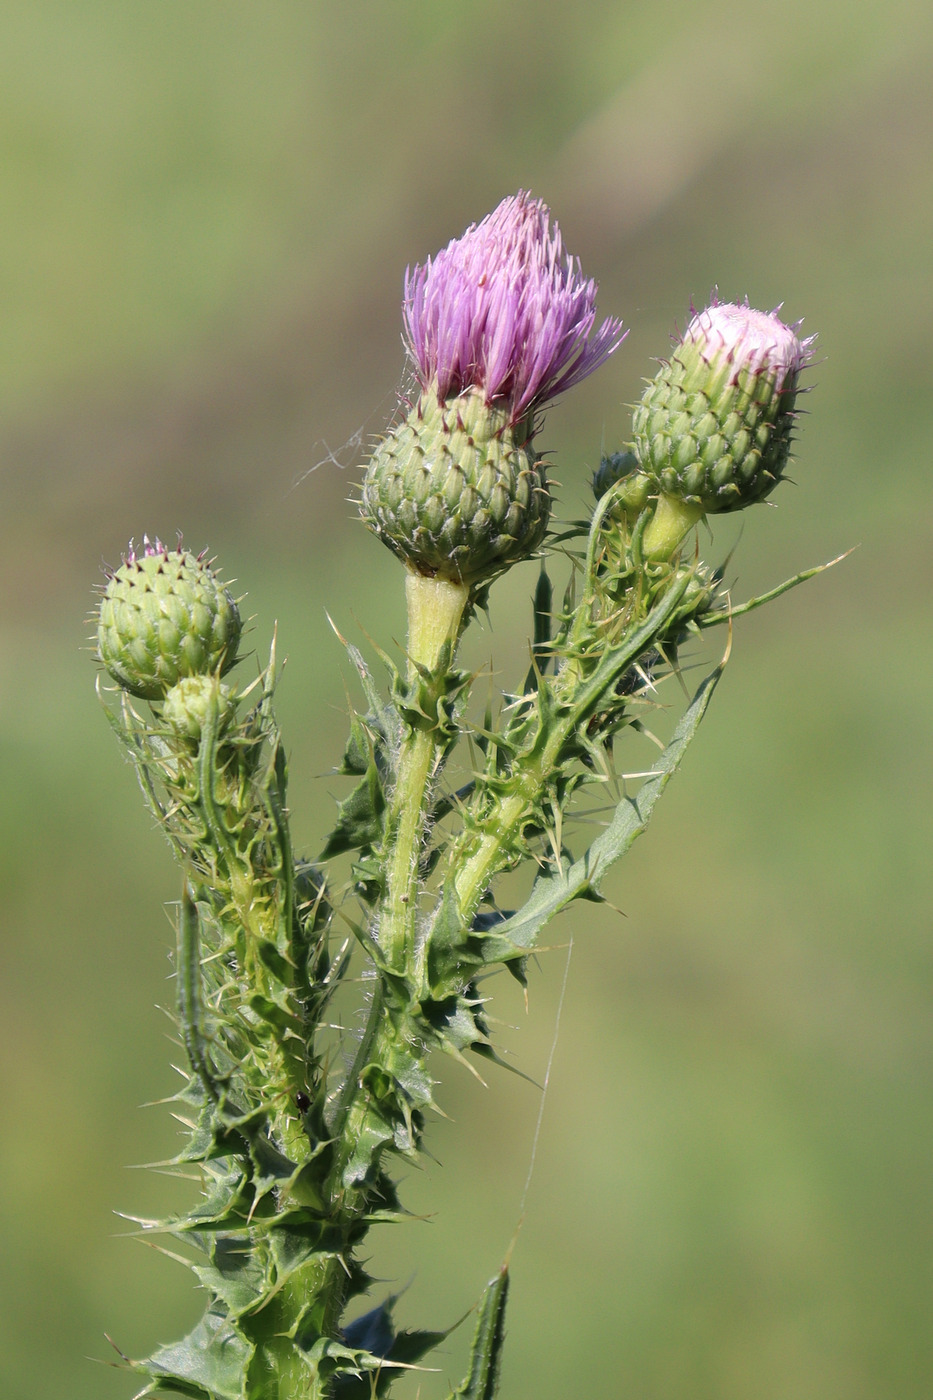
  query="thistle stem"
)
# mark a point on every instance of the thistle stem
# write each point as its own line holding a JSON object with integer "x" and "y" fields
{"x": 416, "y": 763}
{"x": 435, "y": 612}
{"x": 542, "y": 757}
{"x": 672, "y": 520}
{"x": 321, "y": 1287}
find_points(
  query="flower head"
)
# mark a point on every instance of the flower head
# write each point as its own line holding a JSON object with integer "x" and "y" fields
{"x": 165, "y": 615}
{"x": 504, "y": 310}
{"x": 715, "y": 425}
{"x": 498, "y": 323}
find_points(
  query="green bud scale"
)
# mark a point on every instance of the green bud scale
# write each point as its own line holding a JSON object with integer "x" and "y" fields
{"x": 457, "y": 490}
{"x": 163, "y": 616}
{"x": 714, "y": 427}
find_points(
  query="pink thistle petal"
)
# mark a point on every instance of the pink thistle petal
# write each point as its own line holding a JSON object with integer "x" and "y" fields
{"x": 754, "y": 341}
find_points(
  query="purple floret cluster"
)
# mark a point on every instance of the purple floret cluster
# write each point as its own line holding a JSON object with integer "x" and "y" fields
{"x": 505, "y": 310}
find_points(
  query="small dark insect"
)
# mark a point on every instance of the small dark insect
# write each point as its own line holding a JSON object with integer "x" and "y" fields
{"x": 303, "y": 1102}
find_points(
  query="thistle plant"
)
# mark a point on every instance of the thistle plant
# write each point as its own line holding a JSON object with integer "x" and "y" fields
{"x": 292, "y": 1136}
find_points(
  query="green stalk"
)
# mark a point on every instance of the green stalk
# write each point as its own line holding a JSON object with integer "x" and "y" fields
{"x": 282, "y": 1371}
{"x": 286, "y": 1059}
{"x": 435, "y": 612}
{"x": 435, "y": 615}
{"x": 672, "y": 520}
{"x": 542, "y": 757}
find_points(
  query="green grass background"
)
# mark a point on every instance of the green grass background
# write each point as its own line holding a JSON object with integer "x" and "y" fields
{"x": 208, "y": 208}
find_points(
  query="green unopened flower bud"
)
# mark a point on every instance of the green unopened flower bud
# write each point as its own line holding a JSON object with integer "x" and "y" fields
{"x": 164, "y": 616}
{"x": 612, "y": 469}
{"x": 713, "y": 429}
{"x": 700, "y": 593}
{"x": 623, "y": 467}
{"x": 190, "y": 703}
{"x": 456, "y": 490}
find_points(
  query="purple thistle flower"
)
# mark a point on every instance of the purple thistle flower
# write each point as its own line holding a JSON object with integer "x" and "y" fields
{"x": 503, "y": 309}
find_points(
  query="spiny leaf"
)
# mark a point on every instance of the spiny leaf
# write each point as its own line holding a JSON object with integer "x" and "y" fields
{"x": 723, "y": 615}
{"x": 209, "y": 1364}
{"x": 375, "y": 1331}
{"x": 543, "y": 622}
{"x": 358, "y": 752}
{"x": 189, "y": 995}
{"x": 359, "y": 817}
{"x": 382, "y": 720}
{"x": 238, "y": 1274}
{"x": 327, "y": 1358}
{"x": 482, "y": 1380}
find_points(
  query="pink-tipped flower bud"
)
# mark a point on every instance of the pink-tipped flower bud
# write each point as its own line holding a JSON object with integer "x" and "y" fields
{"x": 714, "y": 427}
{"x": 497, "y": 324}
{"x": 165, "y": 615}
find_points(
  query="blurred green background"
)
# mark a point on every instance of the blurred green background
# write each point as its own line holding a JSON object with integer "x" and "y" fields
{"x": 208, "y": 208}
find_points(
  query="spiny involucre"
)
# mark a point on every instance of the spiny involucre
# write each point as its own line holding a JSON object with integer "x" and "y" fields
{"x": 497, "y": 324}
{"x": 714, "y": 427}
{"x": 164, "y": 615}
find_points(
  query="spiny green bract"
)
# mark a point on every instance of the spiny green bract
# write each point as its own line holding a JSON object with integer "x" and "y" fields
{"x": 713, "y": 435}
{"x": 164, "y": 615}
{"x": 457, "y": 490}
